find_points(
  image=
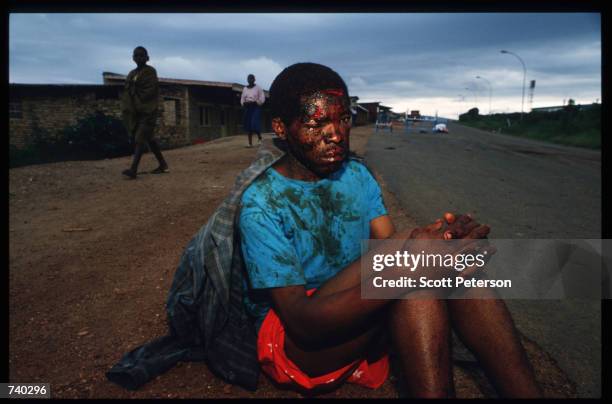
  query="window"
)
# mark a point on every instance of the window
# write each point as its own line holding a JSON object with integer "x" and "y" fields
{"x": 204, "y": 115}
{"x": 172, "y": 111}
{"x": 15, "y": 110}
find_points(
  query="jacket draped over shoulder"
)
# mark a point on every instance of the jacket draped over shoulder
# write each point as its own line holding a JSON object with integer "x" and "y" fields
{"x": 207, "y": 319}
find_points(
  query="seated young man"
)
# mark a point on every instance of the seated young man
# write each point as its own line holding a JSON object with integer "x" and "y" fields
{"x": 301, "y": 226}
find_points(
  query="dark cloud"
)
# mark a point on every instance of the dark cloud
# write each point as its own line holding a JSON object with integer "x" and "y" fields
{"x": 399, "y": 59}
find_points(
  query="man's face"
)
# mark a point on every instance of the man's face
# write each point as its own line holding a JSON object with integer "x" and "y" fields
{"x": 251, "y": 79}
{"x": 140, "y": 57}
{"x": 319, "y": 137}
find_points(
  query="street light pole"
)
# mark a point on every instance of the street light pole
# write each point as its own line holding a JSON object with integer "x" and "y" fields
{"x": 490, "y": 90}
{"x": 462, "y": 100}
{"x": 524, "y": 75}
{"x": 474, "y": 94}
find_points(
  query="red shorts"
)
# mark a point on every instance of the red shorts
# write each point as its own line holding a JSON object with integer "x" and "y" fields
{"x": 274, "y": 362}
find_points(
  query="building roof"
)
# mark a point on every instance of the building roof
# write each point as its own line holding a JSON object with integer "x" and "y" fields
{"x": 234, "y": 86}
{"x": 42, "y": 90}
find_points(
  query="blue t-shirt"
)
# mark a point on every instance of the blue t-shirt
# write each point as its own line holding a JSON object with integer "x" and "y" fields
{"x": 303, "y": 233}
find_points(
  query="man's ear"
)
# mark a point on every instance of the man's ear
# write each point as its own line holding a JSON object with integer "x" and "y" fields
{"x": 279, "y": 128}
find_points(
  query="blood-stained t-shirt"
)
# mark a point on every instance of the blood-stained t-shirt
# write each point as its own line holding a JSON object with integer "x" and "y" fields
{"x": 303, "y": 233}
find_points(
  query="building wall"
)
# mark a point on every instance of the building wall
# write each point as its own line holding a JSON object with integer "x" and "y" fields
{"x": 361, "y": 117}
{"x": 210, "y": 121}
{"x": 372, "y": 110}
{"x": 217, "y": 113}
{"x": 173, "y": 120}
{"x": 47, "y": 111}
{"x": 185, "y": 115}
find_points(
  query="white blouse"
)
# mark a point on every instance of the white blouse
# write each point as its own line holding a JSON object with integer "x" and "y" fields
{"x": 254, "y": 94}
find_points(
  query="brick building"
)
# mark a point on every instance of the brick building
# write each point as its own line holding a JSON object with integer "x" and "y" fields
{"x": 360, "y": 114}
{"x": 373, "y": 109}
{"x": 190, "y": 111}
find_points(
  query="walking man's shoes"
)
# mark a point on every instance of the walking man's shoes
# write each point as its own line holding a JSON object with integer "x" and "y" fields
{"x": 160, "y": 170}
{"x": 129, "y": 173}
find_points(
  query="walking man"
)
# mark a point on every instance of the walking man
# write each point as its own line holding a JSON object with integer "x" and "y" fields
{"x": 139, "y": 110}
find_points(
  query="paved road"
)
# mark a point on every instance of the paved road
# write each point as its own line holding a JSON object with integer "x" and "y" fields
{"x": 522, "y": 189}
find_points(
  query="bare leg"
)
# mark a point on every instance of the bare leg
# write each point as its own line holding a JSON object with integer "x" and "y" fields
{"x": 486, "y": 328}
{"x": 420, "y": 331}
{"x": 250, "y": 138}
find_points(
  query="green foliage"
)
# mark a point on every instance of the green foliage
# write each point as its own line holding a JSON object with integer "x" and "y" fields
{"x": 96, "y": 136}
{"x": 471, "y": 115}
{"x": 572, "y": 126}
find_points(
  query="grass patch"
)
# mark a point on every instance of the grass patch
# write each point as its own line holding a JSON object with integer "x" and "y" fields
{"x": 572, "y": 126}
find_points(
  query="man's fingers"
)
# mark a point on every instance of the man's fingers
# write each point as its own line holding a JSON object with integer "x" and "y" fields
{"x": 460, "y": 230}
{"x": 463, "y": 219}
{"x": 449, "y": 217}
{"x": 437, "y": 225}
{"x": 479, "y": 232}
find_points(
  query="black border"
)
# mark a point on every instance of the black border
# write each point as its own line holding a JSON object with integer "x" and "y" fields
{"x": 330, "y": 6}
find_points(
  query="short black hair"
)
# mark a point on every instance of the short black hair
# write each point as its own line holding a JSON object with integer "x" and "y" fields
{"x": 297, "y": 80}
{"x": 143, "y": 48}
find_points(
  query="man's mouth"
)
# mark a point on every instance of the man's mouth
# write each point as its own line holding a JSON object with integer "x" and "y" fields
{"x": 334, "y": 155}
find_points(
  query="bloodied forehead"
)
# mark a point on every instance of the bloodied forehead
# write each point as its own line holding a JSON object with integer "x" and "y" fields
{"x": 316, "y": 105}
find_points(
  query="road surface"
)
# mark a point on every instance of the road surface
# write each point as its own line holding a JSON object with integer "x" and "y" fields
{"x": 522, "y": 189}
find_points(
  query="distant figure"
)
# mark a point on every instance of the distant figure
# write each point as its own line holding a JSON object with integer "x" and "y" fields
{"x": 139, "y": 110}
{"x": 252, "y": 99}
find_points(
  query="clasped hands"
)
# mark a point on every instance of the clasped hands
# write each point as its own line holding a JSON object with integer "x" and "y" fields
{"x": 464, "y": 235}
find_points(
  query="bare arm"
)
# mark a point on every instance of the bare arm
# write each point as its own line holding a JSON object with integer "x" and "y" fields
{"x": 242, "y": 97}
{"x": 337, "y": 308}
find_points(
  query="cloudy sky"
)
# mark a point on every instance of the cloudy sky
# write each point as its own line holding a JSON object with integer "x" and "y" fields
{"x": 410, "y": 61}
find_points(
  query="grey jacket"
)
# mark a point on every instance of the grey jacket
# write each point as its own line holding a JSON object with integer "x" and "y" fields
{"x": 207, "y": 319}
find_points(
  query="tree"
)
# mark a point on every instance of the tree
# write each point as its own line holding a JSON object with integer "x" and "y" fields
{"x": 472, "y": 114}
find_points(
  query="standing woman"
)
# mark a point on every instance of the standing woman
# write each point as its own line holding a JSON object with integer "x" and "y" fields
{"x": 252, "y": 99}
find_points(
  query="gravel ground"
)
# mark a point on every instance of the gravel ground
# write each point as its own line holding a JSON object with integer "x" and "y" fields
{"x": 92, "y": 256}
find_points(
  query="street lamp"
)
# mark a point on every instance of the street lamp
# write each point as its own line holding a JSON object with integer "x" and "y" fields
{"x": 524, "y": 75}
{"x": 475, "y": 96}
{"x": 490, "y": 90}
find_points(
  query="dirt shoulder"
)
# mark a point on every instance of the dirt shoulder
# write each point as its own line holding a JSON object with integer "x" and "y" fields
{"x": 92, "y": 256}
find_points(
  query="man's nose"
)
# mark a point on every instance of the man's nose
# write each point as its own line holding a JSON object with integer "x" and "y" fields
{"x": 334, "y": 132}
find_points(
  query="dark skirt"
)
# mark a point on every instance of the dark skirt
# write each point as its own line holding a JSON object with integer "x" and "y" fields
{"x": 252, "y": 118}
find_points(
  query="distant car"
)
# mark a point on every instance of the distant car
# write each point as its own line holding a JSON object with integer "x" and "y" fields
{"x": 440, "y": 128}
